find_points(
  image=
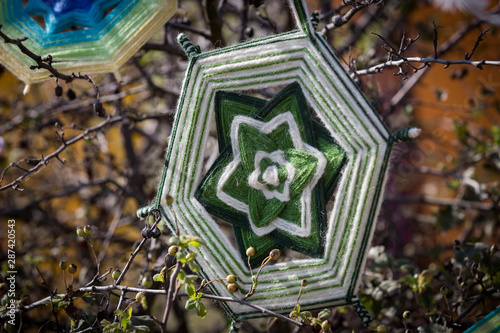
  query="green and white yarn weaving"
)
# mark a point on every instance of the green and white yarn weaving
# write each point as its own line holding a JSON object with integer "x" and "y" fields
{"x": 280, "y": 161}
{"x": 299, "y": 151}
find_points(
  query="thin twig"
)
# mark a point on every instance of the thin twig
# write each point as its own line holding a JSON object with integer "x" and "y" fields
{"x": 473, "y": 304}
{"x": 171, "y": 287}
{"x": 443, "y": 202}
{"x": 445, "y": 47}
{"x": 120, "y": 301}
{"x": 129, "y": 262}
{"x": 476, "y": 44}
{"x": 51, "y": 293}
{"x": 340, "y": 20}
{"x": 125, "y": 289}
{"x": 397, "y": 63}
{"x": 435, "y": 39}
{"x": 43, "y": 161}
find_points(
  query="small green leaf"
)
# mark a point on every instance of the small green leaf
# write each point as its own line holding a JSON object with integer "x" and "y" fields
{"x": 144, "y": 321}
{"x": 315, "y": 322}
{"x": 181, "y": 257}
{"x": 124, "y": 322}
{"x": 298, "y": 308}
{"x": 200, "y": 309}
{"x": 190, "y": 290}
{"x": 191, "y": 278}
{"x": 181, "y": 276}
{"x": 324, "y": 314}
{"x": 195, "y": 241}
{"x": 190, "y": 304}
{"x": 195, "y": 268}
{"x": 119, "y": 313}
{"x": 174, "y": 240}
{"x": 108, "y": 327}
{"x": 128, "y": 313}
{"x": 159, "y": 277}
{"x": 307, "y": 314}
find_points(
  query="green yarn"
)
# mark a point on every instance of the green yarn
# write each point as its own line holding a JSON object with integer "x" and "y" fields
{"x": 225, "y": 76}
{"x": 263, "y": 211}
{"x": 188, "y": 47}
{"x": 251, "y": 140}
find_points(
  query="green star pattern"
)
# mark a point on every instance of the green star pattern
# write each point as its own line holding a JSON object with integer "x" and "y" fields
{"x": 271, "y": 197}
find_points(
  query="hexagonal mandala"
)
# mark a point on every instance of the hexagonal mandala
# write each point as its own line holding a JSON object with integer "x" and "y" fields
{"x": 301, "y": 166}
{"x": 91, "y": 36}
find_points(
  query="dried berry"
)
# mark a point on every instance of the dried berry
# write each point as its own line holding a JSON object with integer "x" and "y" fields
{"x": 173, "y": 250}
{"x": 72, "y": 269}
{"x": 147, "y": 281}
{"x": 232, "y": 287}
{"x": 116, "y": 274}
{"x": 382, "y": 329}
{"x": 71, "y": 94}
{"x": 169, "y": 200}
{"x": 58, "y": 91}
{"x": 87, "y": 230}
{"x": 146, "y": 232}
{"x": 251, "y": 251}
{"x": 274, "y": 254}
{"x": 80, "y": 232}
{"x": 139, "y": 296}
{"x": 249, "y": 32}
{"x": 99, "y": 109}
{"x": 156, "y": 233}
{"x": 231, "y": 279}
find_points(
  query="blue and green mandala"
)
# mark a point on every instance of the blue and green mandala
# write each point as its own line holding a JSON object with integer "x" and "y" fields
{"x": 87, "y": 36}
{"x": 276, "y": 170}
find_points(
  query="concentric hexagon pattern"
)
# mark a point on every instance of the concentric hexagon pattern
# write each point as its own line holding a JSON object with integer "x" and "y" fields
{"x": 336, "y": 103}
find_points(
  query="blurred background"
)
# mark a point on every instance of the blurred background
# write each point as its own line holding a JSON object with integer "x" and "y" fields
{"x": 434, "y": 251}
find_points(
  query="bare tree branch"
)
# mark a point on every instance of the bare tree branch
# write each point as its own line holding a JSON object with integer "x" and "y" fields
{"x": 426, "y": 61}
{"x": 44, "y": 160}
{"x": 46, "y": 63}
{"x": 340, "y": 20}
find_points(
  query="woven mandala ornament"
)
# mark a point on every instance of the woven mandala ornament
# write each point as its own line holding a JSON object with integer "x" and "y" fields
{"x": 301, "y": 167}
{"x": 88, "y": 36}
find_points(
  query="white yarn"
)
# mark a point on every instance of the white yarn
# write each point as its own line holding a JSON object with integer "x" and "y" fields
{"x": 343, "y": 111}
{"x": 304, "y": 230}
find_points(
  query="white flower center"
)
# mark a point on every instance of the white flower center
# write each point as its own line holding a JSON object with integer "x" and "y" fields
{"x": 270, "y": 175}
